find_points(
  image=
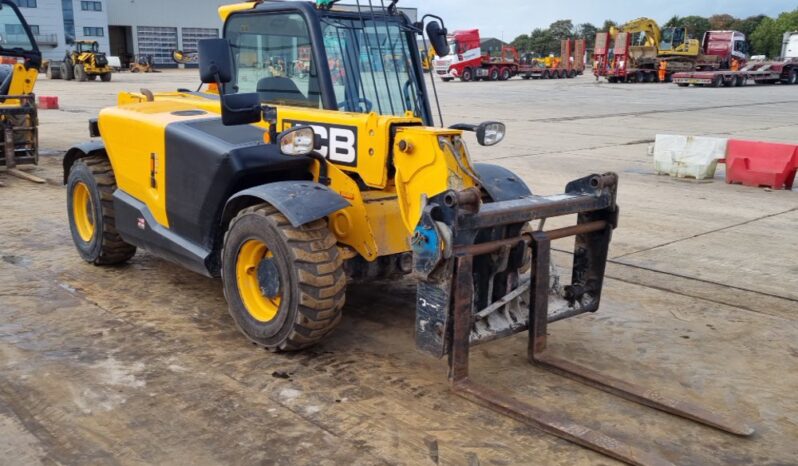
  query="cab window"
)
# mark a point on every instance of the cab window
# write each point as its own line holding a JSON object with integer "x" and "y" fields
{"x": 273, "y": 56}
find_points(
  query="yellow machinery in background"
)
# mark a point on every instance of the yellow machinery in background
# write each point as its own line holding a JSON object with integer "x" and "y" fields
{"x": 18, "y": 73}
{"x": 666, "y": 42}
{"x": 84, "y": 63}
{"x": 427, "y": 59}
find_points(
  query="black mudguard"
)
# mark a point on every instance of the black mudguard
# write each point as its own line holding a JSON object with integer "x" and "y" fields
{"x": 300, "y": 201}
{"x": 500, "y": 183}
{"x": 79, "y": 151}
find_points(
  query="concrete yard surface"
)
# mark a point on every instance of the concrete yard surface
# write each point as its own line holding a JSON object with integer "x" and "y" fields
{"x": 142, "y": 364}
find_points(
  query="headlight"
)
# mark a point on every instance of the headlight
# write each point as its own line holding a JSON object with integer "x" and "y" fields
{"x": 297, "y": 141}
{"x": 491, "y": 133}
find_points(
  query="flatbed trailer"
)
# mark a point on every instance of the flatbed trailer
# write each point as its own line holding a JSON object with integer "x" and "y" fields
{"x": 759, "y": 72}
{"x": 475, "y": 65}
{"x": 571, "y": 65}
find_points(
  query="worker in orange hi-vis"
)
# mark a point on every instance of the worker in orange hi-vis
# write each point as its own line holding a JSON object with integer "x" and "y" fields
{"x": 663, "y": 71}
{"x": 735, "y": 64}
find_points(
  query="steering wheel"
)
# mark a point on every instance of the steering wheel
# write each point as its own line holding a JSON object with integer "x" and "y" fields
{"x": 361, "y": 100}
{"x": 406, "y": 93}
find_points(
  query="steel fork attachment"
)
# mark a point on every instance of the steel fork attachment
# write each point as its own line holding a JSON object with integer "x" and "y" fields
{"x": 448, "y": 322}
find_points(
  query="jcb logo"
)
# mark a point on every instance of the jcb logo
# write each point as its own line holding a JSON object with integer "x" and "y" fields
{"x": 338, "y": 143}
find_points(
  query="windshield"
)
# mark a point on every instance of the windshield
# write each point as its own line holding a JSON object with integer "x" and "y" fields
{"x": 88, "y": 47}
{"x": 371, "y": 67}
{"x": 12, "y": 33}
{"x": 273, "y": 57}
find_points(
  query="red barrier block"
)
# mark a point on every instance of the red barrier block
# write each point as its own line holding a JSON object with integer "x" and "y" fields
{"x": 48, "y": 103}
{"x": 754, "y": 163}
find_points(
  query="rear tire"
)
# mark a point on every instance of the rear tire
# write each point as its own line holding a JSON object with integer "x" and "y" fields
{"x": 545, "y": 75}
{"x": 683, "y": 85}
{"x": 105, "y": 77}
{"x": 90, "y": 207}
{"x": 298, "y": 267}
{"x": 67, "y": 71}
{"x": 793, "y": 78}
{"x": 494, "y": 74}
{"x": 505, "y": 74}
{"x": 80, "y": 73}
{"x": 739, "y": 81}
{"x": 717, "y": 81}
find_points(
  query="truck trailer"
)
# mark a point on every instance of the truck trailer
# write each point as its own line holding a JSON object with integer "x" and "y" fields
{"x": 622, "y": 60}
{"x": 782, "y": 70}
{"x": 468, "y": 62}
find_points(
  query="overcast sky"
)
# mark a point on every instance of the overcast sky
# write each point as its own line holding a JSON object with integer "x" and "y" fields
{"x": 511, "y": 18}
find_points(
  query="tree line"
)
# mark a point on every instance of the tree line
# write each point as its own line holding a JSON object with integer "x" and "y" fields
{"x": 763, "y": 32}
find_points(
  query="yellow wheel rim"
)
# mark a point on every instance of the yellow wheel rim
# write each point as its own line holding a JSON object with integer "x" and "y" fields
{"x": 83, "y": 211}
{"x": 261, "y": 308}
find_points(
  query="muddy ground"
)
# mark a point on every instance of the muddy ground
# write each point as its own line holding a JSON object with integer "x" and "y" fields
{"x": 141, "y": 364}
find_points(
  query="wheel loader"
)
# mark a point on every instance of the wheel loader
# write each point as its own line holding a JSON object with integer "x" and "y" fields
{"x": 18, "y": 114}
{"x": 290, "y": 186}
{"x": 84, "y": 63}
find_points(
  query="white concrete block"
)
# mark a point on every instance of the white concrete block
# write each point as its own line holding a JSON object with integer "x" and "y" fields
{"x": 688, "y": 156}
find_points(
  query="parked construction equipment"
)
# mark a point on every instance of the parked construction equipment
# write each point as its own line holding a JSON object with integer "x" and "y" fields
{"x": 286, "y": 185}
{"x": 143, "y": 64}
{"x": 640, "y": 51}
{"x": 18, "y": 113}
{"x": 84, "y": 63}
{"x": 468, "y": 62}
{"x": 782, "y": 70}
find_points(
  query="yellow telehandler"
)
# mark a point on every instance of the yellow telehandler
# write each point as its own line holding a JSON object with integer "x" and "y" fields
{"x": 18, "y": 113}
{"x": 288, "y": 185}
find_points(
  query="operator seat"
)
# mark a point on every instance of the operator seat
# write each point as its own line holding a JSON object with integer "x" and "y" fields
{"x": 279, "y": 89}
{"x": 6, "y": 74}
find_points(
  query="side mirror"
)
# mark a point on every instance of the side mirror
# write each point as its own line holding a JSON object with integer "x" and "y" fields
{"x": 215, "y": 61}
{"x": 299, "y": 140}
{"x": 437, "y": 37}
{"x": 241, "y": 109}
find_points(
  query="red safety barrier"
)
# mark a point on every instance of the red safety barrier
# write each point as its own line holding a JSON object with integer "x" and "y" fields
{"x": 753, "y": 163}
{"x": 48, "y": 103}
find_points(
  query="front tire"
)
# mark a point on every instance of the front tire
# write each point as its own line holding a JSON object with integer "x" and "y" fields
{"x": 467, "y": 75}
{"x": 285, "y": 286}
{"x": 90, "y": 206}
{"x": 67, "y": 70}
{"x": 106, "y": 77}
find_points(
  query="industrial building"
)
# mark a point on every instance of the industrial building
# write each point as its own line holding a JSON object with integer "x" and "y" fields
{"x": 123, "y": 28}
{"x": 127, "y": 28}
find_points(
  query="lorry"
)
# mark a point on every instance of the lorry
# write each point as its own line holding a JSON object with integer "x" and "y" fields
{"x": 782, "y": 70}
{"x": 468, "y": 62}
{"x": 641, "y": 51}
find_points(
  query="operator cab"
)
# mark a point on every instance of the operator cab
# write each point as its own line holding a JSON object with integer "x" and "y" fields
{"x": 292, "y": 53}
{"x": 84, "y": 46}
{"x": 672, "y": 38}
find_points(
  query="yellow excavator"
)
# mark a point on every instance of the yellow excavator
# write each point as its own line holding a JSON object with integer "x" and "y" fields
{"x": 667, "y": 42}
